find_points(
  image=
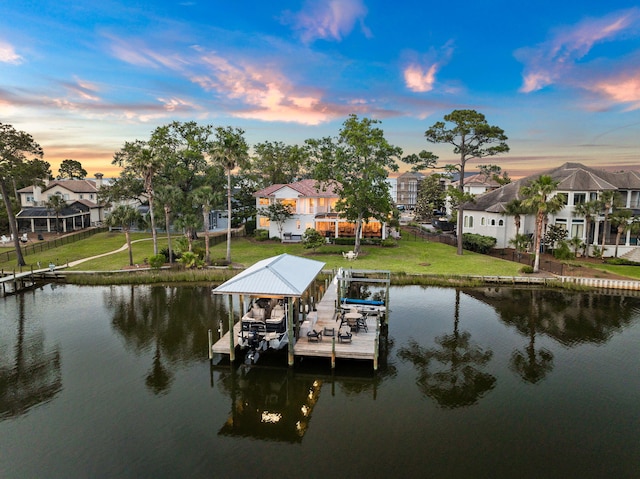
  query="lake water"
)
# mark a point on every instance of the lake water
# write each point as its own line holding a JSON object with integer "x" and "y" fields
{"x": 114, "y": 382}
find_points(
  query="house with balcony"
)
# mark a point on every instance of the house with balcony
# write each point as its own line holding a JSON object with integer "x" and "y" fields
{"x": 82, "y": 208}
{"x": 579, "y": 183}
{"x": 407, "y": 189}
{"x": 312, "y": 207}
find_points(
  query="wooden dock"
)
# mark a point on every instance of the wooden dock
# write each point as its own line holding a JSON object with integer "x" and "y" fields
{"x": 14, "y": 283}
{"x": 364, "y": 344}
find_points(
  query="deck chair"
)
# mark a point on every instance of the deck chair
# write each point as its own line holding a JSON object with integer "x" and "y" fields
{"x": 314, "y": 336}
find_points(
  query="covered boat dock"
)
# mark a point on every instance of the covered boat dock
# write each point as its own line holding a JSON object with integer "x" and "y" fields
{"x": 313, "y": 333}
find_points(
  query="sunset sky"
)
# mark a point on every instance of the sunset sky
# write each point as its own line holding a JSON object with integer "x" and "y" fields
{"x": 561, "y": 78}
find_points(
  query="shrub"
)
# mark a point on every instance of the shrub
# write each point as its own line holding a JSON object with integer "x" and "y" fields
{"x": 165, "y": 252}
{"x": 621, "y": 262}
{"x": 478, "y": 243}
{"x": 250, "y": 226}
{"x": 526, "y": 269}
{"x": 388, "y": 243}
{"x": 563, "y": 251}
{"x": 157, "y": 260}
{"x": 191, "y": 260}
{"x": 312, "y": 239}
{"x": 261, "y": 235}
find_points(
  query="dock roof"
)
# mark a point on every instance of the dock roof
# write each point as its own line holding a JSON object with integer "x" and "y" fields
{"x": 284, "y": 275}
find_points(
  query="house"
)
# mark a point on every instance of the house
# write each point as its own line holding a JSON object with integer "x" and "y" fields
{"x": 407, "y": 189}
{"x": 312, "y": 207}
{"x": 82, "y": 210}
{"x": 486, "y": 216}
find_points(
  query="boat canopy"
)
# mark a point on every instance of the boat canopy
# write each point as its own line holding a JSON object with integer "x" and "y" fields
{"x": 284, "y": 275}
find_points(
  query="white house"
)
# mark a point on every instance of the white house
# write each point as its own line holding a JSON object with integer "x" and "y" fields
{"x": 579, "y": 183}
{"x": 82, "y": 208}
{"x": 312, "y": 208}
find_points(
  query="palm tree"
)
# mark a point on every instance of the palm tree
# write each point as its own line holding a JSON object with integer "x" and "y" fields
{"x": 607, "y": 199}
{"x": 169, "y": 197}
{"x": 144, "y": 161}
{"x": 514, "y": 208}
{"x": 588, "y": 210}
{"x": 189, "y": 223}
{"x": 230, "y": 151}
{"x": 56, "y": 203}
{"x": 207, "y": 199}
{"x": 519, "y": 242}
{"x": 125, "y": 217}
{"x": 538, "y": 197}
{"x": 621, "y": 220}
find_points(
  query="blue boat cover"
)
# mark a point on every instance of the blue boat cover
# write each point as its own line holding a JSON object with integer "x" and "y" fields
{"x": 369, "y": 302}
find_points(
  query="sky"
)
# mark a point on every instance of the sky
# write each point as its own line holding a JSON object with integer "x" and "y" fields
{"x": 561, "y": 78}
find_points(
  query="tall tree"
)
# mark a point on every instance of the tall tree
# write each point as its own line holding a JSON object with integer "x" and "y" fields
{"x": 142, "y": 160}
{"x": 15, "y": 146}
{"x": 125, "y": 217}
{"x": 72, "y": 170}
{"x": 56, "y": 204}
{"x": 206, "y": 198}
{"x": 357, "y": 164}
{"x": 169, "y": 197}
{"x": 621, "y": 221}
{"x": 278, "y": 163}
{"x": 230, "y": 150}
{"x": 472, "y": 137}
{"x": 515, "y": 208}
{"x": 588, "y": 210}
{"x": 538, "y": 197}
{"x": 431, "y": 197}
{"x": 607, "y": 199}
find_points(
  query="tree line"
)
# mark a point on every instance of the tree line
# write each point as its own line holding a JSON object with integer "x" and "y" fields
{"x": 185, "y": 169}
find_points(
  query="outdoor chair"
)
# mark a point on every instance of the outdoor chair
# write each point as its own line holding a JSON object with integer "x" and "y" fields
{"x": 344, "y": 337}
{"x": 329, "y": 332}
{"x": 314, "y": 336}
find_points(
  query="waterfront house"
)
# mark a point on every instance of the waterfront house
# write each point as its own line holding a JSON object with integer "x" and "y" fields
{"x": 579, "y": 183}
{"x": 312, "y": 207}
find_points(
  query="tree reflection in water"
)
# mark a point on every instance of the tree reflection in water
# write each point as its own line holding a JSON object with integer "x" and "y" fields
{"x": 450, "y": 374}
{"x": 33, "y": 376}
{"x": 172, "y": 320}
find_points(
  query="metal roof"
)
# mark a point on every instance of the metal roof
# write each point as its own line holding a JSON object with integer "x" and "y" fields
{"x": 283, "y": 275}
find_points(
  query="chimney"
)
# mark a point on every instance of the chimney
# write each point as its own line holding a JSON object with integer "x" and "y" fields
{"x": 99, "y": 180}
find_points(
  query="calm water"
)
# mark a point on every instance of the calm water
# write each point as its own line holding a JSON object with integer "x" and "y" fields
{"x": 490, "y": 382}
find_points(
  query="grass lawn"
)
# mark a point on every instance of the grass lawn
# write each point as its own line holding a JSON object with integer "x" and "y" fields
{"x": 409, "y": 257}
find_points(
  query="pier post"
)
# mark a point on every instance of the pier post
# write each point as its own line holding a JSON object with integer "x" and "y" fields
{"x": 232, "y": 346}
{"x": 333, "y": 353}
{"x": 210, "y": 334}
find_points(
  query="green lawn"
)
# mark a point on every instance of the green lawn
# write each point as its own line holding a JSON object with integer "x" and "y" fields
{"x": 409, "y": 257}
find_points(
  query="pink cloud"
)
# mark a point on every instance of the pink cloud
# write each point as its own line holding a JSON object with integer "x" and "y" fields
{"x": 419, "y": 80}
{"x": 555, "y": 61}
{"x": 8, "y": 54}
{"x": 329, "y": 19}
{"x": 624, "y": 89}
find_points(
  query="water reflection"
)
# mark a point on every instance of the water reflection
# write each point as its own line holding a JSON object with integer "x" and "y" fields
{"x": 171, "y": 320}
{"x": 568, "y": 317}
{"x": 268, "y": 403}
{"x": 31, "y": 376}
{"x": 451, "y": 374}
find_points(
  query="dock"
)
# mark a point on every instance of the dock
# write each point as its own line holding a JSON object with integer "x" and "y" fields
{"x": 363, "y": 345}
{"x": 14, "y": 283}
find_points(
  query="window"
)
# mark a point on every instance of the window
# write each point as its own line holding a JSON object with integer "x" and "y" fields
{"x": 500, "y": 222}
{"x": 81, "y": 196}
{"x": 468, "y": 222}
{"x": 29, "y": 198}
{"x": 264, "y": 222}
{"x": 493, "y": 222}
{"x": 263, "y": 201}
{"x": 577, "y": 228}
{"x": 579, "y": 198}
{"x": 291, "y": 204}
{"x": 482, "y": 221}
